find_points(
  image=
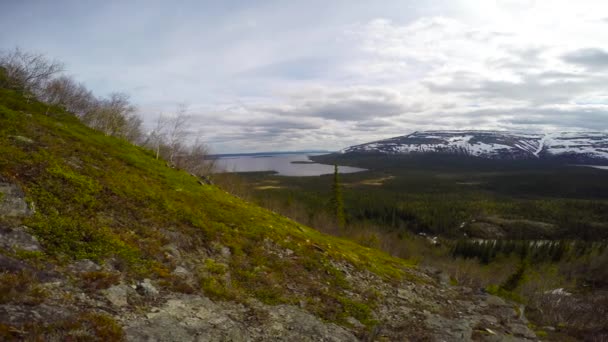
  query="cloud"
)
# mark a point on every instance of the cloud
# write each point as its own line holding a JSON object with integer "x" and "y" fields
{"x": 590, "y": 58}
{"x": 349, "y": 104}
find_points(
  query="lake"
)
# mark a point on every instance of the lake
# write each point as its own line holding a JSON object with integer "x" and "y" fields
{"x": 297, "y": 164}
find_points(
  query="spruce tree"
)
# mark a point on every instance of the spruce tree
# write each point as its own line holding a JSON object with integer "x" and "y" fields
{"x": 337, "y": 201}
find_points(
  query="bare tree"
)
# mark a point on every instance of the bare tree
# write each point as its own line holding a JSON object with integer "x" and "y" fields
{"x": 72, "y": 96}
{"x": 115, "y": 116}
{"x": 176, "y": 132}
{"x": 27, "y": 71}
{"x": 195, "y": 159}
{"x": 168, "y": 139}
{"x": 156, "y": 137}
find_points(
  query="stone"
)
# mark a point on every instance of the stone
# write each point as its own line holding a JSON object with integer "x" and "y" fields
{"x": 196, "y": 318}
{"x": 181, "y": 272}
{"x": 145, "y": 288}
{"x": 117, "y": 295}
{"x": 22, "y": 139}
{"x": 84, "y": 265}
{"x": 520, "y": 330}
{"x": 495, "y": 301}
{"x": 404, "y": 294}
{"x": 12, "y": 201}
{"x": 18, "y": 239}
{"x": 225, "y": 251}
{"x": 355, "y": 322}
{"x": 8, "y": 264}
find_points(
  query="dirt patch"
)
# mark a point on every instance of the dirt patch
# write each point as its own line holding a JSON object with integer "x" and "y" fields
{"x": 268, "y": 187}
{"x": 375, "y": 181}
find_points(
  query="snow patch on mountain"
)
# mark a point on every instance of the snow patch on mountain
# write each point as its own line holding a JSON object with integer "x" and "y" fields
{"x": 494, "y": 144}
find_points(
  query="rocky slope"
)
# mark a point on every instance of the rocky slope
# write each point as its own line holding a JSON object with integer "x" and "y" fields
{"x": 584, "y": 147}
{"x": 100, "y": 241}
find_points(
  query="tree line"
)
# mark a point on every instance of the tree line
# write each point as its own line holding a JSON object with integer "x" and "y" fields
{"x": 487, "y": 251}
{"x": 39, "y": 78}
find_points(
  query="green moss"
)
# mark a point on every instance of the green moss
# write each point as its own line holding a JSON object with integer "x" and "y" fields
{"x": 361, "y": 311}
{"x": 501, "y": 292}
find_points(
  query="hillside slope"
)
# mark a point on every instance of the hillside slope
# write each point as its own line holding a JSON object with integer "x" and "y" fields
{"x": 581, "y": 147}
{"x": 100, "y": 241}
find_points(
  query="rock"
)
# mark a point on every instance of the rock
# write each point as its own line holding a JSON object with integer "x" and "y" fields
{"x": 495, "y": 301}
{"x": 8, "y": 264}
{"x": 196, "y": 318}
{"x": 559, "y": 292}
{"x": 117, "y": 295}
{"x": 84, "y": 265}
{"x": 225, "y": 251}
{"x": 520, "y": 330}
{"x": 181, "y": 272}
{"x": 145, "y": 288}
{"x": 443, "y": 278}
{"x": 12, "y": 201}
{"x": 16, "y": 315}
{"x": 18, "y": 239}
{"x": 354, "y": 322}
{"x": 22, "y": 139}
{"x": 404, "y": 294}
{"x": 172, "y": 251}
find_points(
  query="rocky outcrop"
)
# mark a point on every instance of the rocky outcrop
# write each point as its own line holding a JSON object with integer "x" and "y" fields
{"x": 196, "y": 318}
{"x": 421, "y": 310}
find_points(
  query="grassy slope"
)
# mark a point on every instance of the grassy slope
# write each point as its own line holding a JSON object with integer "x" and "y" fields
{"x": 100, "y": 198}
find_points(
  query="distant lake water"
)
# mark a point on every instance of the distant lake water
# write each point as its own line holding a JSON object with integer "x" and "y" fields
{"x": 282, "y": 164}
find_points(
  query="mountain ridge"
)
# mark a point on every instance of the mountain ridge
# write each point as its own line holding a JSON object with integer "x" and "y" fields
{"x": 576, "y": 147}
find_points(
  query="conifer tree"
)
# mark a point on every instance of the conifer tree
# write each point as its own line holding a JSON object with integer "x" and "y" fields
{"x": 337, "y": 201}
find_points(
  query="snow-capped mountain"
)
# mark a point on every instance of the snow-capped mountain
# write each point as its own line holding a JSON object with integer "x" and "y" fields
{"x": 574, "y": 146}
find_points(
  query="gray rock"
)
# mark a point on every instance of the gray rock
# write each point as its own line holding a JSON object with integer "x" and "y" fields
{"x": 84, "y": 265}
{"x": 225, "y": 251}
{"x": 405, "y": 294}
{"x": 18, "y": 239}
{"x": 495, "y": 301}
{"x": 28, "y": 314}
{"x": 196, "y": 318}
{"x": 520, "y": 330}
{"x": 181, "y": 272}
{"x": 12, "y": 201}
{"x": 145, "y": 288}
{"x": 355, "y": 322}
{"x": 22, "y": 139}
{"x": 118, "y": 295}
{"x": 8, "y": 264}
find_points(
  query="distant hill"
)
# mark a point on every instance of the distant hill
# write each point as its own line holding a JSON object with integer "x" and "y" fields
{"x": 571, "y": 147}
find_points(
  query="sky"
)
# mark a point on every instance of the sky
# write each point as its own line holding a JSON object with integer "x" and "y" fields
{"x": 296, "y": 75}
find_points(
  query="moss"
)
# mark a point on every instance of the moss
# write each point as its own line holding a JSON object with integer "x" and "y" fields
{"x": 360, "y": 311}
{"x": 87, "y": 326}
{"x": 21, "y": 288}
{"x": 501, "y": 292}
{"x": 93, "y": 281}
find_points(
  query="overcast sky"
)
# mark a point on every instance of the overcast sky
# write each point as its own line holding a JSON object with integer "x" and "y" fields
{"x": 292, "y": 75}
